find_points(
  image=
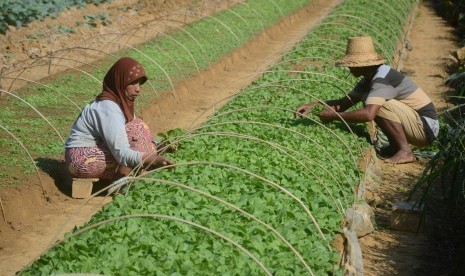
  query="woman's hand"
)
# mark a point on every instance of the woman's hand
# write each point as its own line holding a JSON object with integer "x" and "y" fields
{"x": 153, "y": 161}
{"x": 303, "y": 110}
{"x": 162, "y": 161}
{"x": 166, "y": 147}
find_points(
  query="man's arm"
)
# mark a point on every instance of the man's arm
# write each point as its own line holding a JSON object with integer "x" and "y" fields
{"x": 344, "y": 103}
{"x": 365, "y": 114}
{"x": 338, "y": 105}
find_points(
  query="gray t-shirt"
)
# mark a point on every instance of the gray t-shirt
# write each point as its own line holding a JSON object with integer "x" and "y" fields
{"x": 103, "y": 121}
{"x": 388, "y": 84}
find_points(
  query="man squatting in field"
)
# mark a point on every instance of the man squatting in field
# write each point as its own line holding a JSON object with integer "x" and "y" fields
{"x": 401, "y": 109}
{"x": 107, "y": 140}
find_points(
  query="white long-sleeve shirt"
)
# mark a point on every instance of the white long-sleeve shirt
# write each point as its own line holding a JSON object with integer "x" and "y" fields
{"x": 103, "y": 121}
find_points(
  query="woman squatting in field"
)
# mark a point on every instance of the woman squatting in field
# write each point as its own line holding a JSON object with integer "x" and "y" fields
{"x": 107, "y": 140}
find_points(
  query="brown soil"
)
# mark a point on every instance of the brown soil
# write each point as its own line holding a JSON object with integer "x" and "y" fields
{"x": 130, "y": 22}
{"x": 34, "y": 223}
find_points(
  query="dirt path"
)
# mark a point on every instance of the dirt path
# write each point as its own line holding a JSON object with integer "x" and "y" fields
{"x": 388, "y": 252}
{"x": 33, "y": 224}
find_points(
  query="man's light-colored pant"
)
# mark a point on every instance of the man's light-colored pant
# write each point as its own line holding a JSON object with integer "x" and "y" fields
{"x": 396, "y": 111}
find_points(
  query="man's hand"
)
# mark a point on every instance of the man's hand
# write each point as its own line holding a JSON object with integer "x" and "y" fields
{"x": 303, "y": 110}
{"x": 328, "y": 115}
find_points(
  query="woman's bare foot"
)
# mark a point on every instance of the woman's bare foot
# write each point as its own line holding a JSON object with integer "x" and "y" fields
{"x": 401, "y": 157}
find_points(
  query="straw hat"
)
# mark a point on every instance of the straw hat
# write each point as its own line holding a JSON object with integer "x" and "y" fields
{"x": 360, "y": 52}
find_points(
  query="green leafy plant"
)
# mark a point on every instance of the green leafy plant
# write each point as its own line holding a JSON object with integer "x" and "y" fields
{"x": 92, "y": 20}
{"x": 37, "y": 35}
{"x": 64, "y": 29}
{"x": 453, "y": 11}
{"x": 167, "y": 141}
{"x": 316, "y": 110}
{"x": 447, "y": 166}
{"x": 20, "y": 13}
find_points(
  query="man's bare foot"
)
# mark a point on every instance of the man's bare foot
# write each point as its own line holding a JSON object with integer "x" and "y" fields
{"x": 402, "y": 157}
{"x": 386, "y": 152}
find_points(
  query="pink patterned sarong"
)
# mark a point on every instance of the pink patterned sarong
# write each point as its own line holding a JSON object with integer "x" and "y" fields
{"x": 98, "y": 162}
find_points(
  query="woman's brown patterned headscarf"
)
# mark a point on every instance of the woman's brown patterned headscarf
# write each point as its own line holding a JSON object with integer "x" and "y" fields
{"x": 124, "y": 72}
